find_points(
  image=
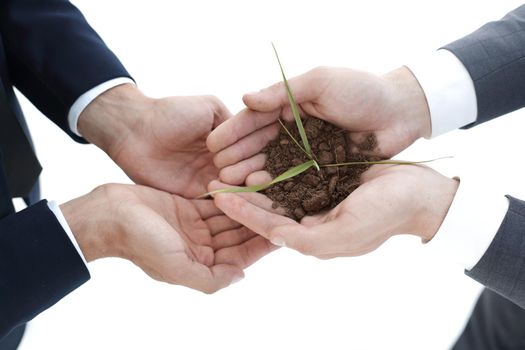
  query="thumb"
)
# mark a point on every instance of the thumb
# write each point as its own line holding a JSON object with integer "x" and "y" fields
{"x": 305, "y": 88}
{"x": 221, "y": 113}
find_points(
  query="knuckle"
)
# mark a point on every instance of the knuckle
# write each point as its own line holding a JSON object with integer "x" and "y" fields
{"x": 320, "y": 71}
{"x": 209, "y": 290}
{"x": 306, "y": 249}
{"x": 277, "y": 86}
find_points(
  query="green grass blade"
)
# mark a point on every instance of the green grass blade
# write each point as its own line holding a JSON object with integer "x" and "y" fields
{"x": 296, "y": 170}
{"x": 256, "y": 188}
{"x": 295, "y": 109}
{"x": 293, "y": 138}
{"x": 394, "y": 162}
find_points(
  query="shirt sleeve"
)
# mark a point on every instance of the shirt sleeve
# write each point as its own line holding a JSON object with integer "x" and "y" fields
{"x": 474, "y": 216}
{"x": 85, "y": 99}
{"x": 449, "y": 91}
{"x": 53, "y": 206}
{"x": 471, "y": 224}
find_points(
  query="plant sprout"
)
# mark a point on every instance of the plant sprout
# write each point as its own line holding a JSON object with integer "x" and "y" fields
{"x": 305, "y": 147}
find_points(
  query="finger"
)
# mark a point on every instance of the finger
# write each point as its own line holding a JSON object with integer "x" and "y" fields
{"x": 207, "y": 279}
{"x": 305, "y": 87}
{"x": 206, "y": 208}
{"x": 232, "y": 238}
{"x": 316, "y": 240}
{"x": 236, "y": 174}
{"x": 255, "y": 198}
{"x": 221, "y": 223}
{"x": 250, "y": 215}
{"x": 258, "y": 178}
{"x": 246, "y": 147}
{"x": 375, "y": 171}
{"x": 238, "y": 127}
{"x": 245, "y": 254}
{"x": 287, "y": 114}
{"x": 220, "y": 112}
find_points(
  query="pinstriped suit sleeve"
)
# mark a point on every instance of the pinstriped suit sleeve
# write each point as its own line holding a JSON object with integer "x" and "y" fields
{"x": 502, "y": 267}
{"x": 494, "y": 56}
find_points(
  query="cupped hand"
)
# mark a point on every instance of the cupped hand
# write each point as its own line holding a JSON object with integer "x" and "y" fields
{"x": 392, "y": 200}
{"x": 393, "y": 107}
{"x": 160, "y": 143}
{"x": 175, "y": 240}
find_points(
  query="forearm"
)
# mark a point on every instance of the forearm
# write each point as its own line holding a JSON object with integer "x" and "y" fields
{"x": 99, "y": 236}
{"x": 501, "y": 267}
{"x": 408, "y": 102}
{"x": 53, "y": 54}
{"x": 110, "y": 118}
{"x": 38, "y": 265}
{"x": 494, "y": 57}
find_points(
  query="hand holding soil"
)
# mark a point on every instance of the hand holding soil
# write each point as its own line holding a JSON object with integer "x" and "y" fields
{"x": 343, "y": 210}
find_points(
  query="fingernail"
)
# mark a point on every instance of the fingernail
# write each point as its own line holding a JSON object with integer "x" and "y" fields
{"x": 237, "y": 279}
{"x": 278, "y": 241}
{"x": 252, "y": 93}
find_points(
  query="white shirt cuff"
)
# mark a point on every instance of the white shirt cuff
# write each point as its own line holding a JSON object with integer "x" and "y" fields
{"x": 471, "y": 223}
{"x": 53, "y": 206}
{"x": 85, "y": 99}
{"x": 449, "y": 91}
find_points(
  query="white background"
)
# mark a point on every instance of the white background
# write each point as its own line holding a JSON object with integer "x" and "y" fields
{"x": 403, "y": 296}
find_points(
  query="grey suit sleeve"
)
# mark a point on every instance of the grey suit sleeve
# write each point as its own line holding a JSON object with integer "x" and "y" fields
{"x": 494, "y": 56}
{"x": 502, "y": 267}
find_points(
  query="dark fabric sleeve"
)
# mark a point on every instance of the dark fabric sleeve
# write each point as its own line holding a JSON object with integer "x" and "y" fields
{"x": 53, "y": 54}
{"x": 502, "y": 267}
{"x": 494, "y": 56}
{"x": 38, "y": 265}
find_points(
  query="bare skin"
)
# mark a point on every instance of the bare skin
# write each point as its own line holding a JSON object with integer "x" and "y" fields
{"x": 393, "y": 107}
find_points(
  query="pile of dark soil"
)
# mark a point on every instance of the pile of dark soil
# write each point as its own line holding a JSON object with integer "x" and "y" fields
{"x": 314, "y": 191}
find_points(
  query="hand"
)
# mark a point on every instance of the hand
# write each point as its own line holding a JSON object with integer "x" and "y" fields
{"x": 157, "y": 142}
{"x": 392, "y": 200}
{"x": 172, "y": 239}
{"x": 392, "y": 106}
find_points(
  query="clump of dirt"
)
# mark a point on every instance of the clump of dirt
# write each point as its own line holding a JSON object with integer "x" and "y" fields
{"x": 314, "y": 191}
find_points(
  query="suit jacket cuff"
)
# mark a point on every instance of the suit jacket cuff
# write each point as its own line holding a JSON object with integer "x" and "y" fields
{"x": 55, "y": 208}
{"x": 38, "y": 265}
{"x": 501, "y": 267}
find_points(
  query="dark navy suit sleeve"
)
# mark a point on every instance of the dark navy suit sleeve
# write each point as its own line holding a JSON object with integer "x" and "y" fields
{"x": 53, "y": 54}
{"x": 494, "y": 56}
{"x": 38, "y": 265}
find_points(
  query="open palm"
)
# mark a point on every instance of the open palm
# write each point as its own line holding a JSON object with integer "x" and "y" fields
{"x": 166, "y": 149}
{"x": 387, "y": 203}
{"x": 186, "y": 242}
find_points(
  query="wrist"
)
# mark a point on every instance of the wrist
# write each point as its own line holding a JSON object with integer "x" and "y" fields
{"x": 408, "y": 103}
{"x": 94, "y": 225}
{"x": 435, "y": 209}
{"x": 111, "y": 117}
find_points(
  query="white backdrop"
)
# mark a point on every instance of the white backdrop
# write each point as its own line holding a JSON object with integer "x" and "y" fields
{"x": 403, "y": 296}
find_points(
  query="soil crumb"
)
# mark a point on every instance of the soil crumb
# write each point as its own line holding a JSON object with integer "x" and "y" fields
{"x": 315, "y": 191}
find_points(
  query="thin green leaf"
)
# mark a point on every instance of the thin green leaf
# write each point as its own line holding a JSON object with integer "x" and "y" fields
{"x": 293, "y": 138}
{"x": 301, "y": 168}
{"x": 295, "y": 109}
{"x": 394, "y": 162}
{"x": 296, "y": 170}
